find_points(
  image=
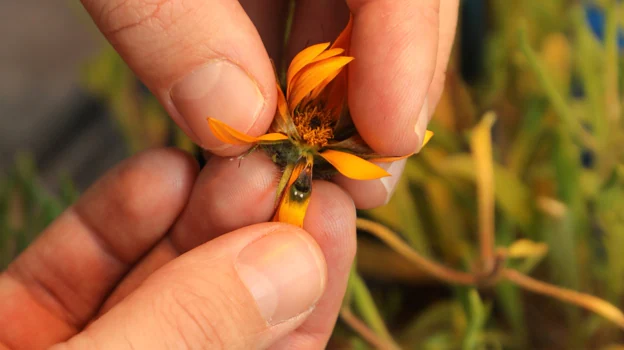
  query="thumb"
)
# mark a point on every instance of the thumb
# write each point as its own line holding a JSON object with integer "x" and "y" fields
{"x": 243, "y": 290}
{"x": 199, "y": 58}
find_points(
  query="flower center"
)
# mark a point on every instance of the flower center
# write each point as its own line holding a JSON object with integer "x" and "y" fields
{"x": 315, "y": 125}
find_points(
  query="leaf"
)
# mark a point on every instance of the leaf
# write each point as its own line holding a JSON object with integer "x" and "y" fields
{"x": 476, "y": 315}
{"x": 524, "y": 248}
{"x": 364, "y": 304}
{"x": 448, "y": 220}
{"x": 512, "y": 196}
{"x": 402, "y": 215}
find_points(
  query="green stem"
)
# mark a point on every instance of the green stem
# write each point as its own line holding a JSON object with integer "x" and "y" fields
{"x": 558, "y": 101}
{"x": 365, "y": 305}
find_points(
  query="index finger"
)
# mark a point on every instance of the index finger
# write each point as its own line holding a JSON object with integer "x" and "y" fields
{"x": 395, "y": 44}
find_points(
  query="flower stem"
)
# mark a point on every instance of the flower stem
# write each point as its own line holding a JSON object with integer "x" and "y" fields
{"x": 481, "y": 145}
{"x": 589, "y": 302}
{"x": 362, "y": 329}
{"x": 436, "y": 270}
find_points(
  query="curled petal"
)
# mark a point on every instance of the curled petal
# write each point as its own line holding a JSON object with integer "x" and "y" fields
{"x": 353, "y": 166}
{"x": 302, "y": 59}
{"x": 313, "y": 75}
{"x": 227, "y": 134}
{"x": 344, "y": 39}
{"x": 282, "y": 122}
{"x": 319, "y": 88}
{"x": 428, "y": 136}
{"x": 296, "y": 195}
{"x": 327, "y": 54}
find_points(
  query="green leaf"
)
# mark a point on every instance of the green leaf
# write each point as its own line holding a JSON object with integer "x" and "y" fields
{"x": 512, "y": 196}
{"x": 365, "y": 306}
{"x": 402, "y": 216}
{"x": 476, "y": 316}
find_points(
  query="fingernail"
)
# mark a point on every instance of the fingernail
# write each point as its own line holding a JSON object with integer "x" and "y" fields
{"x": 422, "y": 122}
{"x": 285, "y": 273}
{"x": 220, "y": 90}
{"x": 395, "y": 169}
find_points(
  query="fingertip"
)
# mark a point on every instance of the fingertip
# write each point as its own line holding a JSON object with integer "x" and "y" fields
{"x": 224, "y": 90}
{"x": 135, "y": 188}
{"x": 331, "y": 218}
{"x": 395, "y": 59}
{"x": 373, "y": 193}
{"x": 229, "y": 193}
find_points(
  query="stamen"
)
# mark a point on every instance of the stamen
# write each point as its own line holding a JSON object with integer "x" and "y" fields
{"x": 315, "y": 125}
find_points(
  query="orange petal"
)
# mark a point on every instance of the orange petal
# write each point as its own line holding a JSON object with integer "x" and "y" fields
{"x": 314, "y": 75}
{"x": 282, "y": 106}
{"x": 282, "y": 122}
{"x": 344, "y": 39}
{"x": 317, "y": 90}
{"x": 428, "y": 136}
{"x": 232, "y": 136}
{"x": 296, "y": 197}
{"x": 353, "y": 166}
{"x": 328, "y": 54}
{"x": 301, "y": 60}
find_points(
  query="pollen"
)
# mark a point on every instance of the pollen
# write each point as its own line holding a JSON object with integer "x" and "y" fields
{"x": 315, "y": 125}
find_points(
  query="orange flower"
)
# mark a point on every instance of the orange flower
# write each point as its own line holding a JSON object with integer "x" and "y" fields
{"x": 312, "y": 135}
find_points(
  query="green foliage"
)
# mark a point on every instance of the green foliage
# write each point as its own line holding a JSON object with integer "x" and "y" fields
{"x": 26, "y": 207}
{"x": 545, "y": 188}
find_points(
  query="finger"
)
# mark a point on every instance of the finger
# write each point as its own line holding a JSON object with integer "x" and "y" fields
{"x": 330, "y": 220}
{"x": 269, "y": 17}
{"x": 59, "y": 282}
{"x": 316, "y": 21}
{"x": 200, "y": 58}
{"x": 395, "y": 44}
{"x": 227, "y": 195}
{"x": 373, "y": 193}
{"x": 242, "y": 290}
{"x": 448, "y": 24}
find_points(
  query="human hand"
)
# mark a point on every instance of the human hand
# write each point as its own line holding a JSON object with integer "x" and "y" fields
{"x": 206, "y": 58}
{"x": 127, "y": 266}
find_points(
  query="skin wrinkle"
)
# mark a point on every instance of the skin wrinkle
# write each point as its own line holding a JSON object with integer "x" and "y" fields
{"x": 54, "y": 304}
{"x": 105, "y": 246}
{"x": 145, "y": 12}
{"x": 208, "y": 331}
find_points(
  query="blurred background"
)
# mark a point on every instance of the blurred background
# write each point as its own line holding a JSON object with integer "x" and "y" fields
{"x": 551, "y": 72}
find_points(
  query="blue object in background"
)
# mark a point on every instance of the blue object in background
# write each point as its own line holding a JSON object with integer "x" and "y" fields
{"x": 596, "y": 19}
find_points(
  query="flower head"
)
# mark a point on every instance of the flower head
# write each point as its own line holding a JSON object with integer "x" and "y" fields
{"x": 312, "y": 135}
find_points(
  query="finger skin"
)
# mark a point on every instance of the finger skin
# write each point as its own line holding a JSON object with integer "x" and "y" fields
{"x": 247, "y": 195}
{"x": 164, "y": 41}
{"x": 269, "y": 18}
{"x": 332, "y": 224}
{"x": 61, "y": 280}
{"x": 225, "y": 197}
{"x": 196, "y": 301}
{"x": 316, "y": 21}
{"x": 394, "y": 43}
{"x": 448, "y": 24}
